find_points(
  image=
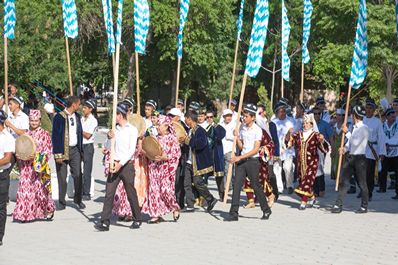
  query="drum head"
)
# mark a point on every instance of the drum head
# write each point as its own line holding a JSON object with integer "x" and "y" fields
{"x": 180, "y": 131}
{"x": 137, "y": 121}
{"x": 25, "y": 147}
{"x": 151, "y": 147}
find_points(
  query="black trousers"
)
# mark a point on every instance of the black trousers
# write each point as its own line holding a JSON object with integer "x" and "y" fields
{"x": 199, "y": 185}
{"x": 388, "y": 164}
{"x": 4, "y": 186}
{"x": 353, "y": 164}
{"x": 74, "y": 163}
{"x": 248, "y": 168}
{"x": 220, "y": 186}
{"x": 319, "y": 184}
{"x": 88, "y": 155}
{"x": 188, "y": 180}
{"x": 179, "y": 183}
{"x": 127, "y": 175}
{"x": 370, "y": 175}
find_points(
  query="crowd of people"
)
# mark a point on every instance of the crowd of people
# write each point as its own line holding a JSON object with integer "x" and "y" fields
{"x": 271, "y": 155}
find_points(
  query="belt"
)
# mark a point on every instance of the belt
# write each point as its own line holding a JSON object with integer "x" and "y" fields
{"x": 392, "y": 145}
{"x": 372, "y": 142}
{"x": 249, "y": 159}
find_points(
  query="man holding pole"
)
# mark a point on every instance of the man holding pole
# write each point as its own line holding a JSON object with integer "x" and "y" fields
{"x": 248, "y": 163}
{"x": 354, "y": 161}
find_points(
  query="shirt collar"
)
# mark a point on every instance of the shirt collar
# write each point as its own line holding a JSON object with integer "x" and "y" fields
{"x": 358, "y": 124}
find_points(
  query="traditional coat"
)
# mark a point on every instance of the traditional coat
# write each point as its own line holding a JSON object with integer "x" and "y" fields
{"x": 218, "y": 151}
{"x": 60, "y": 135}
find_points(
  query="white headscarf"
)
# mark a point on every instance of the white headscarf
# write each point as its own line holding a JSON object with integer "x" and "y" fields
{"x": 309, "y": 118}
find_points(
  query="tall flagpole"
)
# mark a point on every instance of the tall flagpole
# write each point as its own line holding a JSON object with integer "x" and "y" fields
{"x": 178, "y": 79}
{"x": 231, "y": 89}
{"x": 302, "y": 83}
{"x": 69, "y": 67}
{"x": 137, "y": 73}
{"x": 6, "y": 73}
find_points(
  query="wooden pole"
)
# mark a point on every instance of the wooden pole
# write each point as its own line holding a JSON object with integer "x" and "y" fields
{"x": 6, "y": 73}
{"x": 178, "y": 79}
{"x": 302, "y": 83}
{"x": 347, "y": 107}
{"x": 115, "y": 93}
{"x": 229, "y": 175}
{"x": 69, "y": 68}
{"x": 282, "y": 88}
{"x": 231, "y": 89}
{"x": 137, "y": 77}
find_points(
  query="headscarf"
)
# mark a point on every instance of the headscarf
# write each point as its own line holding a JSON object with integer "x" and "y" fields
{"x": 34, "y": 114}
{"x": 310, "y": 118}
{"x": 165, "y": 120}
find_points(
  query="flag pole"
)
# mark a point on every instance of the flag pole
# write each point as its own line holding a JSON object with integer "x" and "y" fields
{"x": 347, "y": 107}
{"x": 69, "y": 68}
{"x": 178, "y": 79}
{"x": 282, "y": 88}
{"x": 233, "y": 73}
{"x": 114, "y": 106}
{"x": 302, "y": 83}
{"x": 137, "y": 77}
{"x": 230, "y": 166}
{"x": 6, "y": 73}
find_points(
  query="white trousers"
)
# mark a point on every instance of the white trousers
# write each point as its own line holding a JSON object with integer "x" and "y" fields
{"x": 288, "y": 168}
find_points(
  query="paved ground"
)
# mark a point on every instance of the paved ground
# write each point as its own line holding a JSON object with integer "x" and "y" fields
{"x": 314, "y": 236}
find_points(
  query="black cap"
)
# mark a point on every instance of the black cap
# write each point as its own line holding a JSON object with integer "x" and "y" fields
{"x": 302, "y": 105}
{"x": 152, "y": 103}
{"x": 194, "y": 105}
{"x": 3, "y": 116}
{"x": 122, "y": 108}
{"x": 91, "y": 103}
{"x": 180, "y": 101}
{"x": 17, "y": 99}
{"x": 250, "y": 108}
{"x": 371, "y": 102}
{"x": 279, "y": 105}
{"x": 389, "y": 111}
{"x": 129, "y": 101}
{"x": 359, "y": 110}
{"x": 233, "y": 102}
{"x": 320, "y": 100}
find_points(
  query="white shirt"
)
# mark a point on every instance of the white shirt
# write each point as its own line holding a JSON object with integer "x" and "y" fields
{"x": 89, "y": 125}
{"x": 125, "y": 143}
{"x": 49, "y": 108}
{"x": 391, "y": 139}
{"x": 261, "y": 121}
{"x": 204, "y": 125}
{"x": 249, "y": 135}
{"x": 72, "y": 129}
{"x": 7, "y": 145}
{"x": 148, "y": 123}
{"x": 228, "y": 140}
{"x": 358, "y": 139}
{"x": 282, "y": 127}
{"x": 20, "y": 120}
{"x": 376, "y": 137}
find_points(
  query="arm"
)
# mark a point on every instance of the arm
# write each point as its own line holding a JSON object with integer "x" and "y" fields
{"x": 19, "y": 132}
{"x": 6, "y": 159}
{"x": 252, "y": 152}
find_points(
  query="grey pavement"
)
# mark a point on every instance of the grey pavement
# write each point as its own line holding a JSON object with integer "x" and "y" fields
{"x": 313, "y": 236}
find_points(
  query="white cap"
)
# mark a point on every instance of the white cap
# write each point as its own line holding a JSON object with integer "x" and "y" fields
{"x": 227, "y": 112}
{"x": 175, "y": 112}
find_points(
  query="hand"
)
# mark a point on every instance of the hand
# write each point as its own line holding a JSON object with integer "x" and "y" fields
{"x": 7, "y": 123}
{"x": 182, "y": 139}
{"x": 321, "y": 138}
{"x": 341, "y": 151}
{"x": 382, "y": 157}
{"x": 235, "y": 159}
{"x": 235, "y": 132}
{"x": 59, "y": 160}
{"x": 344, "y": 128}
{"x": 116, "y": 167}
{"x": 111, "y": 134}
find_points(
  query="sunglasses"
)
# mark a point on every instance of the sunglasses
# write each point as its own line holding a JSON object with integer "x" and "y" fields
{"x": 317, "y": 113}
{"x": 72, "y": 121}
{"x": 209, "y": 117}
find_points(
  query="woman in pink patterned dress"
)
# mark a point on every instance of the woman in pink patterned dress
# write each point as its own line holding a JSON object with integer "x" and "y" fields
{"x": 34, "y": 200}
{"x": 161, "y": 197}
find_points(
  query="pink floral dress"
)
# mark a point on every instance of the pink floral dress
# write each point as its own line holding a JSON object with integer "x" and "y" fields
{"x": 161, "y": 197}
{"x": 34, "y": 199}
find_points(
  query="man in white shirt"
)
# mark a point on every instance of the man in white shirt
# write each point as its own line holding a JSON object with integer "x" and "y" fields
{"x": 49, "y": 108}
{"x": 18, "y": 121}
{"x": 354, "y": 161}
{"x": 89, "y": 126}
{"x": 7, "y": 149}
{"x": 375, "y": 150}
{"x": 390, "y": 162}
{"x": 248, "y": 164}
{"x": 227, "y": 142}
{"x": 285, "y": 161}
{"x": 122, "y": 170}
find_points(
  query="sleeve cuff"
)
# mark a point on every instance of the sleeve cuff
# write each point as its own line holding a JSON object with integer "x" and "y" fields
{"x": 57, "y": 156}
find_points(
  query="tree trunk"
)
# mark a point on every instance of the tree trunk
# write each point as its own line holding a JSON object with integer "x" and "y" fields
{"x": 173, "y": 88}
{"x": 131, "y": 75}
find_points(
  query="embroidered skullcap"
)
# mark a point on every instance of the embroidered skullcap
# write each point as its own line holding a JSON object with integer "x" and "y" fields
{"x": 320, "y": 100}
{"x": 194, "y": 106}
{"x": 251, "y": 108}
{"x": 122, "y": 108}
{"x": 90, "y": 103}
{"x": 17, "y": 99}
{"x": 152, "y": 103}
{"x": 359, "y": 110}
{"x": 370, "y": 102}
{"x": 233, "y": 102}
{"x": 34, "y": 114}
{"x": 129, "y": 102}
{"x": 285, "y": 101}
{"x": 279, "y": 106}
{"x": 389, "y": 111}
{"x": 180, "y": 101}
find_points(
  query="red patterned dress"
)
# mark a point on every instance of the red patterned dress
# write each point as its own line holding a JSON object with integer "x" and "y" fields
{"x": 307, "y": 149}
{"x": 34, "y": 199}
{"x": 161, "y": 197}
{"x": 266, "y": 151}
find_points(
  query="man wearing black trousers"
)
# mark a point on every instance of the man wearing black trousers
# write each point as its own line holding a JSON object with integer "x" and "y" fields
{"x": 67, "y": 139}
{"x": 248, "y": 164}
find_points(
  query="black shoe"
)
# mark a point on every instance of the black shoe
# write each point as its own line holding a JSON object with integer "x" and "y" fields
{"x": 361, "y": 210}
{"x": 352, "y": 190}
{"x": 80, "y": 205}
{"x": 395, "y": 197}
{"x": 290, "y": 190}
{"x": 381, "y": 191}
{"x": 101, "y": 226}
{"x": 266, "y": 214}
{"x": 50, "y": 217}
{"x": 211, "y": 205}
{"x": 337, "y": 209}
{"x": 136, "y": 225}
{"x": 61, "y": 207}
{"x": 86, "y": 198}
{"x": 1, "y": 243}
{"x": 221, "y": 196}
{"x": 232, "y": 218}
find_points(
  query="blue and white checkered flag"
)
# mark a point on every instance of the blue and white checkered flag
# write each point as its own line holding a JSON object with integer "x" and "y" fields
{"x": 118, "y": 34}
{"x": 184, "y": 7}
{"x": 285, "y": 42}
{"x": 306, "y": 30}
{"x": 257, "y": 38}
{"x": 360, "y": 58}
{"x": 107, "y": 6}
{"x": 141, "y": 24}
{"x": 69, "y": 14}
{"x": 239, "y": 22}
{"x": 9, "y": 19}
